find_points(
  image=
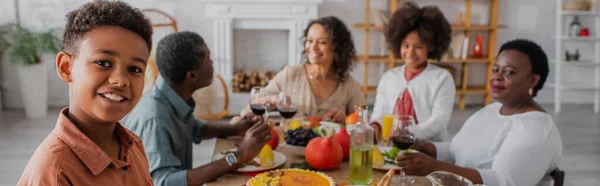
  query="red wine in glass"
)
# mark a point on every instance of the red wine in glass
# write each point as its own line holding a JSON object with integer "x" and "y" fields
{"x": 287, "y": 113}
{"x": 402, "y": 142}
{"x": 258, "y": 109}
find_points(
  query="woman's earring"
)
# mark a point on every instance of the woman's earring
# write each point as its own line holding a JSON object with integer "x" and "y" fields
{"x": 530, "y": 91}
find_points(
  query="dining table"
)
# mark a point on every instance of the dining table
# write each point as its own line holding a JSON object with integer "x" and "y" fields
{"x": 339, "y": 175}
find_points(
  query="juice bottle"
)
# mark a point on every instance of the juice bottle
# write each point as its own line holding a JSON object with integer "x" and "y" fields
{"x": 361, "y": 149}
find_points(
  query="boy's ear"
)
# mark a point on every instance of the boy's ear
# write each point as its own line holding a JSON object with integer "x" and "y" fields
{"x": 64, "y": 62}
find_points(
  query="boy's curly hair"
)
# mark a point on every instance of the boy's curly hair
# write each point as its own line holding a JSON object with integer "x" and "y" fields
{"x": 104, "y": 13}
{"x": 429, "y": 22}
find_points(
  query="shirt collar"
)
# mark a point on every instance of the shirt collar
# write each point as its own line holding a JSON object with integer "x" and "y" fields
{"x": 182, "y": 108}
{"x": 86, "y": 150}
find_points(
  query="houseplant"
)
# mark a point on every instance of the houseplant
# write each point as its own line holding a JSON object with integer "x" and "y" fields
{"x": 25, "y": 50}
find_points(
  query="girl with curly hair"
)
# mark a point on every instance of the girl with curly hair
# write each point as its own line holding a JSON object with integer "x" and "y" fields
{"x": 418, "y": 89}
{"x": 322, "y": 86}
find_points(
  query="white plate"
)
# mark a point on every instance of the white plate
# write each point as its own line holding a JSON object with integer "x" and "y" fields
{"x": 336, "y": 126}
{"x": 279, "y": 160}
{"x": 386, "y": 166}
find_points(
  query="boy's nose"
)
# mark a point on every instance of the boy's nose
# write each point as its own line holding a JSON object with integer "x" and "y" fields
{"x": 119, "y": 78}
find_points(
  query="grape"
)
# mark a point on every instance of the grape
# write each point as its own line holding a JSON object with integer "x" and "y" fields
{"x": 302, "y": 136}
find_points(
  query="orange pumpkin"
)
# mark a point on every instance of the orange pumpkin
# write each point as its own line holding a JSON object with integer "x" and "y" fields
{"x": 343, "y": 138}
{"x": 352, "y": 118}
{"x": 323, "y": 153}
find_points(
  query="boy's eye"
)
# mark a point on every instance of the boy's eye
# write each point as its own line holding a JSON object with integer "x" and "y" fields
{"x": 103, "y": 63}
{"x": 135, "y": 69}
{"x": 495, "y": 69}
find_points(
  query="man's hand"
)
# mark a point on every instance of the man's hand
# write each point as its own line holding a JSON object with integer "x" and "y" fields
{"x": 246, "y": 122}
{"x": 335, "y": 115}
{"x": 254, "y": 140}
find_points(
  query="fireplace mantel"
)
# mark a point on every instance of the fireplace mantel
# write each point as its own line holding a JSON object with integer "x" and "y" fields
{"x": 227, "y": 15}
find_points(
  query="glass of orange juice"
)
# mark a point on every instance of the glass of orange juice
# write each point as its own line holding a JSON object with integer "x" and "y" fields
{"x": 387, "y": 124}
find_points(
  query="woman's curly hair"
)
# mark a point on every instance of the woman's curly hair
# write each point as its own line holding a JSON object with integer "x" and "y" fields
{"x": 343, "y": 46}
{"x": 429, "y": 22}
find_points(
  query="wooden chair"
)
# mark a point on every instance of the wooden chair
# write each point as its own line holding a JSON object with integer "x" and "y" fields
{"x": 225, "y": 111}
{"x": 164, "y": 24}
{"x": 558, "y": 176}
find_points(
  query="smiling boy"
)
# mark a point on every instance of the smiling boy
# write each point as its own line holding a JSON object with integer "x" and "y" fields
{"x": 105, "y": 49}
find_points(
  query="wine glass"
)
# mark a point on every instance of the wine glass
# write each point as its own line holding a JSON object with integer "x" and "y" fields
{"x": 258, "y": 101}
{"x": 403, "y": 139}
{"x": 287, "y": 107}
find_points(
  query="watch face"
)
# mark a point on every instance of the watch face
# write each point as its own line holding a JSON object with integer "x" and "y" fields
{"x": 231, "y": 158}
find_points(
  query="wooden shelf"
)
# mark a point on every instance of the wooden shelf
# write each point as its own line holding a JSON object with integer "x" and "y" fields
{"x": 371, "y": 90}
{"x": 580, "y": 13}
{"x": 454, "y": 27}
{"x": 579, "y": 38}
{"x": 385, "y": 59}
{"x": 576, "y": 63}
{"x": 471, "y": 90}
{"x": 574, "y": 87}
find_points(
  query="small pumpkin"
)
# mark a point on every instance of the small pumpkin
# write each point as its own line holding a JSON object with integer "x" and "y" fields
{"x": 314, "y": 122}
{"x": 323, "y": 153}
{"x": 343, "y": 138}
{"x": 352, "y": 118}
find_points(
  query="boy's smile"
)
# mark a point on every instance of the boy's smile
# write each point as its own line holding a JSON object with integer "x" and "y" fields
{"x": 107, "y": 73}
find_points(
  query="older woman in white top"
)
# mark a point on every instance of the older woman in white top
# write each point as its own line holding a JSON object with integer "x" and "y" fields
{"x": 419, "y": 89}
{"x": 510, "y": 142}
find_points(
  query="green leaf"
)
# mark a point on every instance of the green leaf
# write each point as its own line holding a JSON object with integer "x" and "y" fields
{"x": 392, "y": 153}
{"x": 26, "y": 47}
{"x": 302, "y": 165}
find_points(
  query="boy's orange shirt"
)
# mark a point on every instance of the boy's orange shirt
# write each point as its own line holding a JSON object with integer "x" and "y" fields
{"x": 68, "y": 157}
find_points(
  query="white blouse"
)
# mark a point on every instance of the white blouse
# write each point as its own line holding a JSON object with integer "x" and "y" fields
{"x": 516, "y": 150}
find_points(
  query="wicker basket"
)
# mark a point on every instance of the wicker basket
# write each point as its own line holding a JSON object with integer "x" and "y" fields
{"x": 581, "y": 5}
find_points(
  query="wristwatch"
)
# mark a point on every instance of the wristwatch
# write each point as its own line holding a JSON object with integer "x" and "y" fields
{"x": 231, "y": 159}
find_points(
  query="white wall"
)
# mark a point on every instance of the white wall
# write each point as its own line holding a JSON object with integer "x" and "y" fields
{"x": 532, "y": 19}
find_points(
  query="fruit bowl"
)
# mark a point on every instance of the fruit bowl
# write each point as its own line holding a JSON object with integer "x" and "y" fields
{"x": 296, "y": 150}
{"x": 297, "y": 139}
